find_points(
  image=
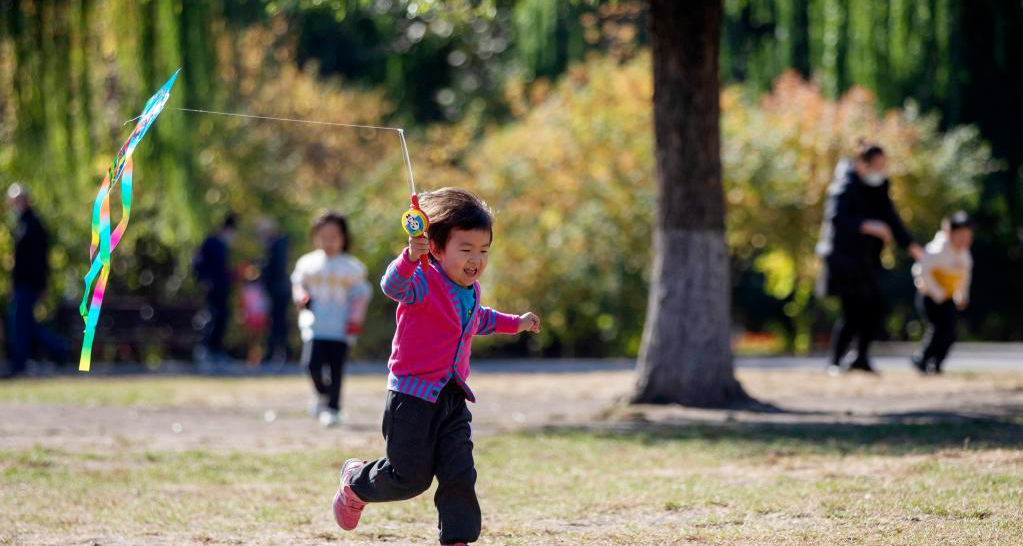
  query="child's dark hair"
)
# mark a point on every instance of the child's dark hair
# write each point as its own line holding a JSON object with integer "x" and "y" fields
{"x": 333, "y": 217}
{"x": 866, "y": 151}
{"x": 454, "y": 208}
{"x": 957, "y": 220}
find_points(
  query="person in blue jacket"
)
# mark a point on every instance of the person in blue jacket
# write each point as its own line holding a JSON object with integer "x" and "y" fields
{"x": 29, "y": 278}
{"x": 213, "y": 270}
{"x": 277, "y": 283}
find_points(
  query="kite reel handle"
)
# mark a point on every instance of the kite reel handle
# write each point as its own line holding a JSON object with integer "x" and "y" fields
{"x": 415, "y": 223}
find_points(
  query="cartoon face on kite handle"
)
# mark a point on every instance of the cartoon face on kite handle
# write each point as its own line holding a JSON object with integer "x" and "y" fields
{"x": 415, "y": 223}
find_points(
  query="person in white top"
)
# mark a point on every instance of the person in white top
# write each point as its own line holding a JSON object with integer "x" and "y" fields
{"x": 942, "y": 279}
{"x": 330, "y": 288}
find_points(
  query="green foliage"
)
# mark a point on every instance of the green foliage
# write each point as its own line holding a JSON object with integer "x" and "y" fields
{"x": 432, "y": 59}
{"x": 899, "y": 48}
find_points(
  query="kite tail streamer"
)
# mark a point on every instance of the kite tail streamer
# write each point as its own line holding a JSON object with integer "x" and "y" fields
{"x": 103, "y": 241}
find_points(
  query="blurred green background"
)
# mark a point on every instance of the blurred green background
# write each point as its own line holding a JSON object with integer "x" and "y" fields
{"x": 541, "y": 107}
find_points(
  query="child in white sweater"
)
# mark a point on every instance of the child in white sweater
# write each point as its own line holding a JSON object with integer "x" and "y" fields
{"x": 329, "y": 286}
{"x": 943, "y": 281}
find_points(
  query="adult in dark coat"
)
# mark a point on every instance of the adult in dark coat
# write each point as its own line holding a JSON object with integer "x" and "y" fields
{"x": 29, "y": 277}
{"x": 859, "y": 219}
{"x": 212, "y": 268}
{"x": 277, "y": 283}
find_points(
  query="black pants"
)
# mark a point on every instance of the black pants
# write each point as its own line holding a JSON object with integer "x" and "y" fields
{"x": 23, "y": 332}
{"x": 277, "y": 335}
{"x": 425, "y": 440}
{"x": 941, "y": 329}
{"x": 862, "y": 311}
{"x": 216, "y": 327}
{"x": 315, "y": 354}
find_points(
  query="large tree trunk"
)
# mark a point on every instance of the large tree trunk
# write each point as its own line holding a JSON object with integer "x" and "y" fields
{"x": 686, "y": 355}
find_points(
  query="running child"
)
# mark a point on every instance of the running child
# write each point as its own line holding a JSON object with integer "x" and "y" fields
{"x": 943, "y": 280}
{"x": 426, "y": 420}
{"x": 330, "y": 288}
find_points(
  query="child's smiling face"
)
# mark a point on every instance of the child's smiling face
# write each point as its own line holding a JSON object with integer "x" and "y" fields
{"x": 464, "y": 258}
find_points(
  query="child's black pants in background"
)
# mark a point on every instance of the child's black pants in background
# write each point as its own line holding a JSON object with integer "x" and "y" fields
{"x": 425, "y": 440}
{"x": 315, "y": 354}
{"x": 941, "y": 329}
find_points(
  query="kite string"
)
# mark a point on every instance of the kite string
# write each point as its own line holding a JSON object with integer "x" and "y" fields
{"x": 399, "y": 130}
{"x": 272, "y": 118}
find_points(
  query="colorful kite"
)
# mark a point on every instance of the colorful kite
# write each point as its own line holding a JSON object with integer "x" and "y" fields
{"x": 103, "y": 241}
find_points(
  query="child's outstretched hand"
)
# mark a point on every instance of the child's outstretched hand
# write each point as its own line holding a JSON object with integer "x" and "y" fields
{"x": 529, "y": 323}
{"x": 418, "y": 247}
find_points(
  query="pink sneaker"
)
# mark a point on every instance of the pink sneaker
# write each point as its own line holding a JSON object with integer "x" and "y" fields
{"x": 347, "y": 505}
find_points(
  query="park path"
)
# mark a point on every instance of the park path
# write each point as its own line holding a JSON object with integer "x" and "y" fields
{"x": 268, "y": 414}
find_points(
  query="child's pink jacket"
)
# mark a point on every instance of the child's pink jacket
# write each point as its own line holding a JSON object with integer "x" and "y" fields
{"x": 430, "y": 346}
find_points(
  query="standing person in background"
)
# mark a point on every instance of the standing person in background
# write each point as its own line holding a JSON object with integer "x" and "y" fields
{"x": 859, "y": 219}
{"x": 943, "y": 280}
{"x": 29, "y": 277}
{"x": 274, "y": 275}
{"x": 212, "y": 268}
{"x": 329, "y": 286}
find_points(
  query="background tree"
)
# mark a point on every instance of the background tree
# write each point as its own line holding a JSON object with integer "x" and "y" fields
{"x": 686, "y": 356}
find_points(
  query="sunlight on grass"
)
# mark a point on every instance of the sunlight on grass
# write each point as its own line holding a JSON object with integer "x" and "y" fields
{"x": 555, "y": 488}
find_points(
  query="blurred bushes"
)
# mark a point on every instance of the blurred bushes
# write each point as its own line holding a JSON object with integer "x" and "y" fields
{"x": 572, "y": 183}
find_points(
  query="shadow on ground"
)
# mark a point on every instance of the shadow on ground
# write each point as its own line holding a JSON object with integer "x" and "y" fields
{"x": 883, "y": 433}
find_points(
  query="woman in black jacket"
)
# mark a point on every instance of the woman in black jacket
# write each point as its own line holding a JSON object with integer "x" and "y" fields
{"x": 859, "y": 219}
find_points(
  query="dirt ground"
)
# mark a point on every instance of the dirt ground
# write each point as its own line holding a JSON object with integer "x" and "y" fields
{"x": 270, "y": 414}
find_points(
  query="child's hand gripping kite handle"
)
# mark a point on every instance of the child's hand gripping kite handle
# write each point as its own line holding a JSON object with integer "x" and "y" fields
{"x": 416, "y": 223}
{"x": 414, "y": 220}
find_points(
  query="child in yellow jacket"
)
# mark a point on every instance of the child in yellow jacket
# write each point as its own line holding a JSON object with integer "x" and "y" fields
{"x": 942, "y": 279}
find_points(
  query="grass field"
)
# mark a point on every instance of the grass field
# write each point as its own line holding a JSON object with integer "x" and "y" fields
{"x": 557, "y": 478}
